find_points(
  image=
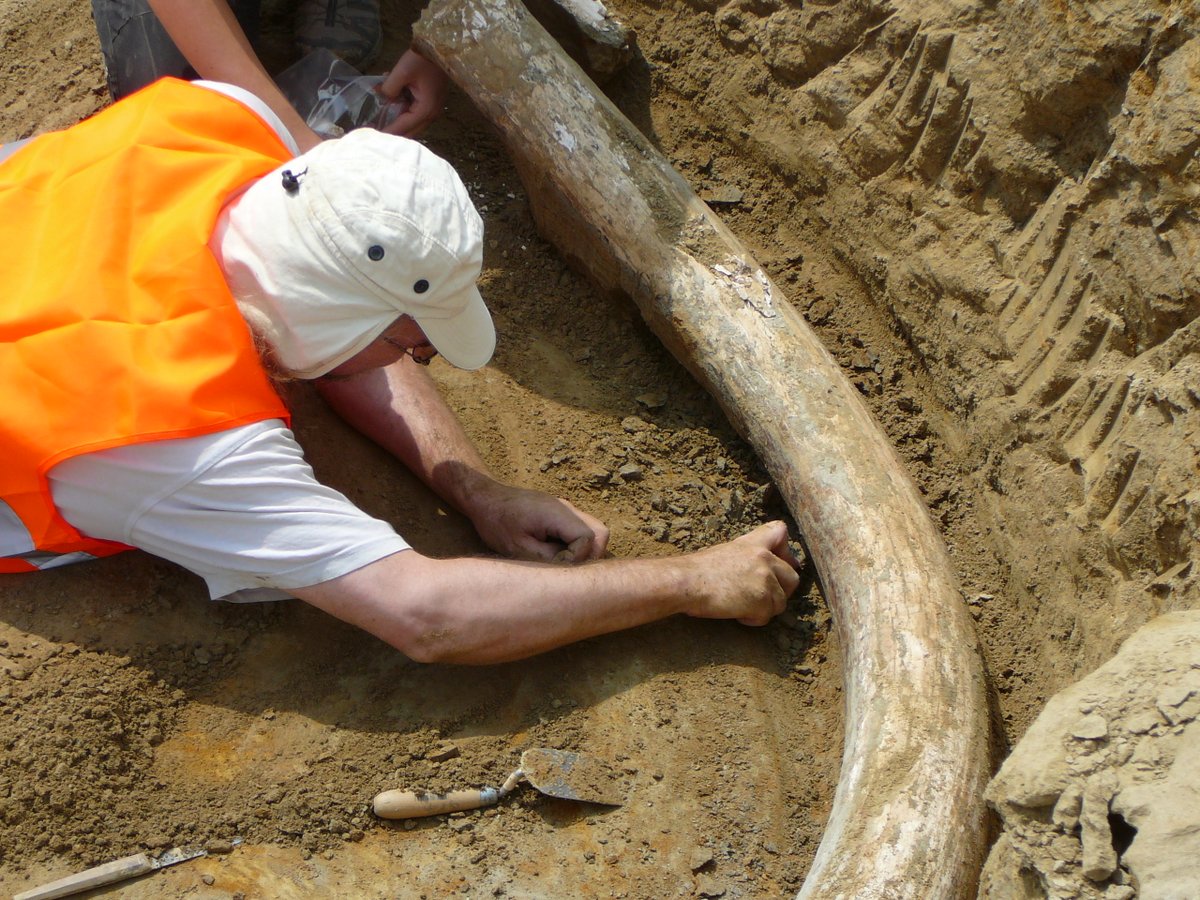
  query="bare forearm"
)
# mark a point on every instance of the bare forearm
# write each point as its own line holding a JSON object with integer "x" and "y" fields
{"x": 481, "y": 611}
{"x": 400, "y": 408}
{"x": 489, "y": 611}
{"x": 210, "y": 38}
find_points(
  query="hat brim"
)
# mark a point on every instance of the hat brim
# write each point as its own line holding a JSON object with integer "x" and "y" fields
{"x": 466, "y": 340}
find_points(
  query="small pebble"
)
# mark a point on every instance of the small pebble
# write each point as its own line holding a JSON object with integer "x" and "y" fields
{"x": 443, "y": 753}
{"x": 1091, "y": 728}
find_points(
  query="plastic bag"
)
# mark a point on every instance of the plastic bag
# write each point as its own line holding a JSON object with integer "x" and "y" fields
{"x": 334, "y": 97}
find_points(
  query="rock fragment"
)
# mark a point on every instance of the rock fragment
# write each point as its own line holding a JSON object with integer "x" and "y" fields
{"x": 1099, "y": 855}
{"x": 1103, "y": 791}
{"x": 1090, "y": 728}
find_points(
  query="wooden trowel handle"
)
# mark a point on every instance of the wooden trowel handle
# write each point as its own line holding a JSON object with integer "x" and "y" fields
{"x": 410, "y": 804}
{"x": 109, "y": 873}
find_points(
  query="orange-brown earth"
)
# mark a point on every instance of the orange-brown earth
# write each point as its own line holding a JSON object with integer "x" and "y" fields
{"x": 987, "y": 211}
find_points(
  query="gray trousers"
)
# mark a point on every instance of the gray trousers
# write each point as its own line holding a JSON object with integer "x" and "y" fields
{"x": 7, "y": 150}
{"x": 137, "y": 49}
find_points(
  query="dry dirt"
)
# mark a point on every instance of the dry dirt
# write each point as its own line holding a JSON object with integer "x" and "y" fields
{"x": 987, "y": 211}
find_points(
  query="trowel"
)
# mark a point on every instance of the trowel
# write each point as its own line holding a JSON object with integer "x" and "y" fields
{"x": 556, "y": 773}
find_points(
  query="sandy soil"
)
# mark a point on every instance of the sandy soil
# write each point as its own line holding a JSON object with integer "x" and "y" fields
{"x": 134, "y": 714}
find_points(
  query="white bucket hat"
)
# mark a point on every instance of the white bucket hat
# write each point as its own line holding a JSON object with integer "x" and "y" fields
{"x": 326, "y": 252}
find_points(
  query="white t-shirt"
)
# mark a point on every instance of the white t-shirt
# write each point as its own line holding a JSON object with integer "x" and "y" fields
{"x": 241, "y": 508}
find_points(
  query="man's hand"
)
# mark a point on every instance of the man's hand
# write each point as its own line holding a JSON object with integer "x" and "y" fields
{"x": 423, "y": 85}
{"x": 531, "y": 525}
{"x": 749, "y": 578}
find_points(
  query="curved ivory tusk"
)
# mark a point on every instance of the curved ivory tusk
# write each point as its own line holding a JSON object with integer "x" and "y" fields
{"x": 908, "y": 814}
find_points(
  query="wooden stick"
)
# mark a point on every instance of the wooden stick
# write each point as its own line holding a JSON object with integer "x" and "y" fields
{"x": 908, "y": 815}
{"x": 109, "y": 873}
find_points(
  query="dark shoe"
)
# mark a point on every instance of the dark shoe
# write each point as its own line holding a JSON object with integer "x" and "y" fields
{"x": 349, "y": 28}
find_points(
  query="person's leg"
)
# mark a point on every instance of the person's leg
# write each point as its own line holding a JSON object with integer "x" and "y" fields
{"x": 349, "y": 28}
{"x": 137, "y": 49}
{"x": 247, "y": 13}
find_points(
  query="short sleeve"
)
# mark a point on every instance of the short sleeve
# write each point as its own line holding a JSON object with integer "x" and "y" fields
{"x": 240, "y": 508}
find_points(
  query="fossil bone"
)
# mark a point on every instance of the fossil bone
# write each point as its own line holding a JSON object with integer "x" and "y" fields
{"x": 908, "y": 814}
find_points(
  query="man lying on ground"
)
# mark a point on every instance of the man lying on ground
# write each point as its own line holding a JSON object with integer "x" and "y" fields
{"x": 164, "y": 262}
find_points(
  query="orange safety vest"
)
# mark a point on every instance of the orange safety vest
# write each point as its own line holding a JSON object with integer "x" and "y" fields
{"x": 116, "y": 325}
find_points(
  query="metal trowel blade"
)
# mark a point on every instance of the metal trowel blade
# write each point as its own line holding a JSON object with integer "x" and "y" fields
{"x": 572, "y": 776}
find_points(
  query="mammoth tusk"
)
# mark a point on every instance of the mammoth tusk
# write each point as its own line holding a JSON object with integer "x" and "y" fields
{"x": 908, "y": 814}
